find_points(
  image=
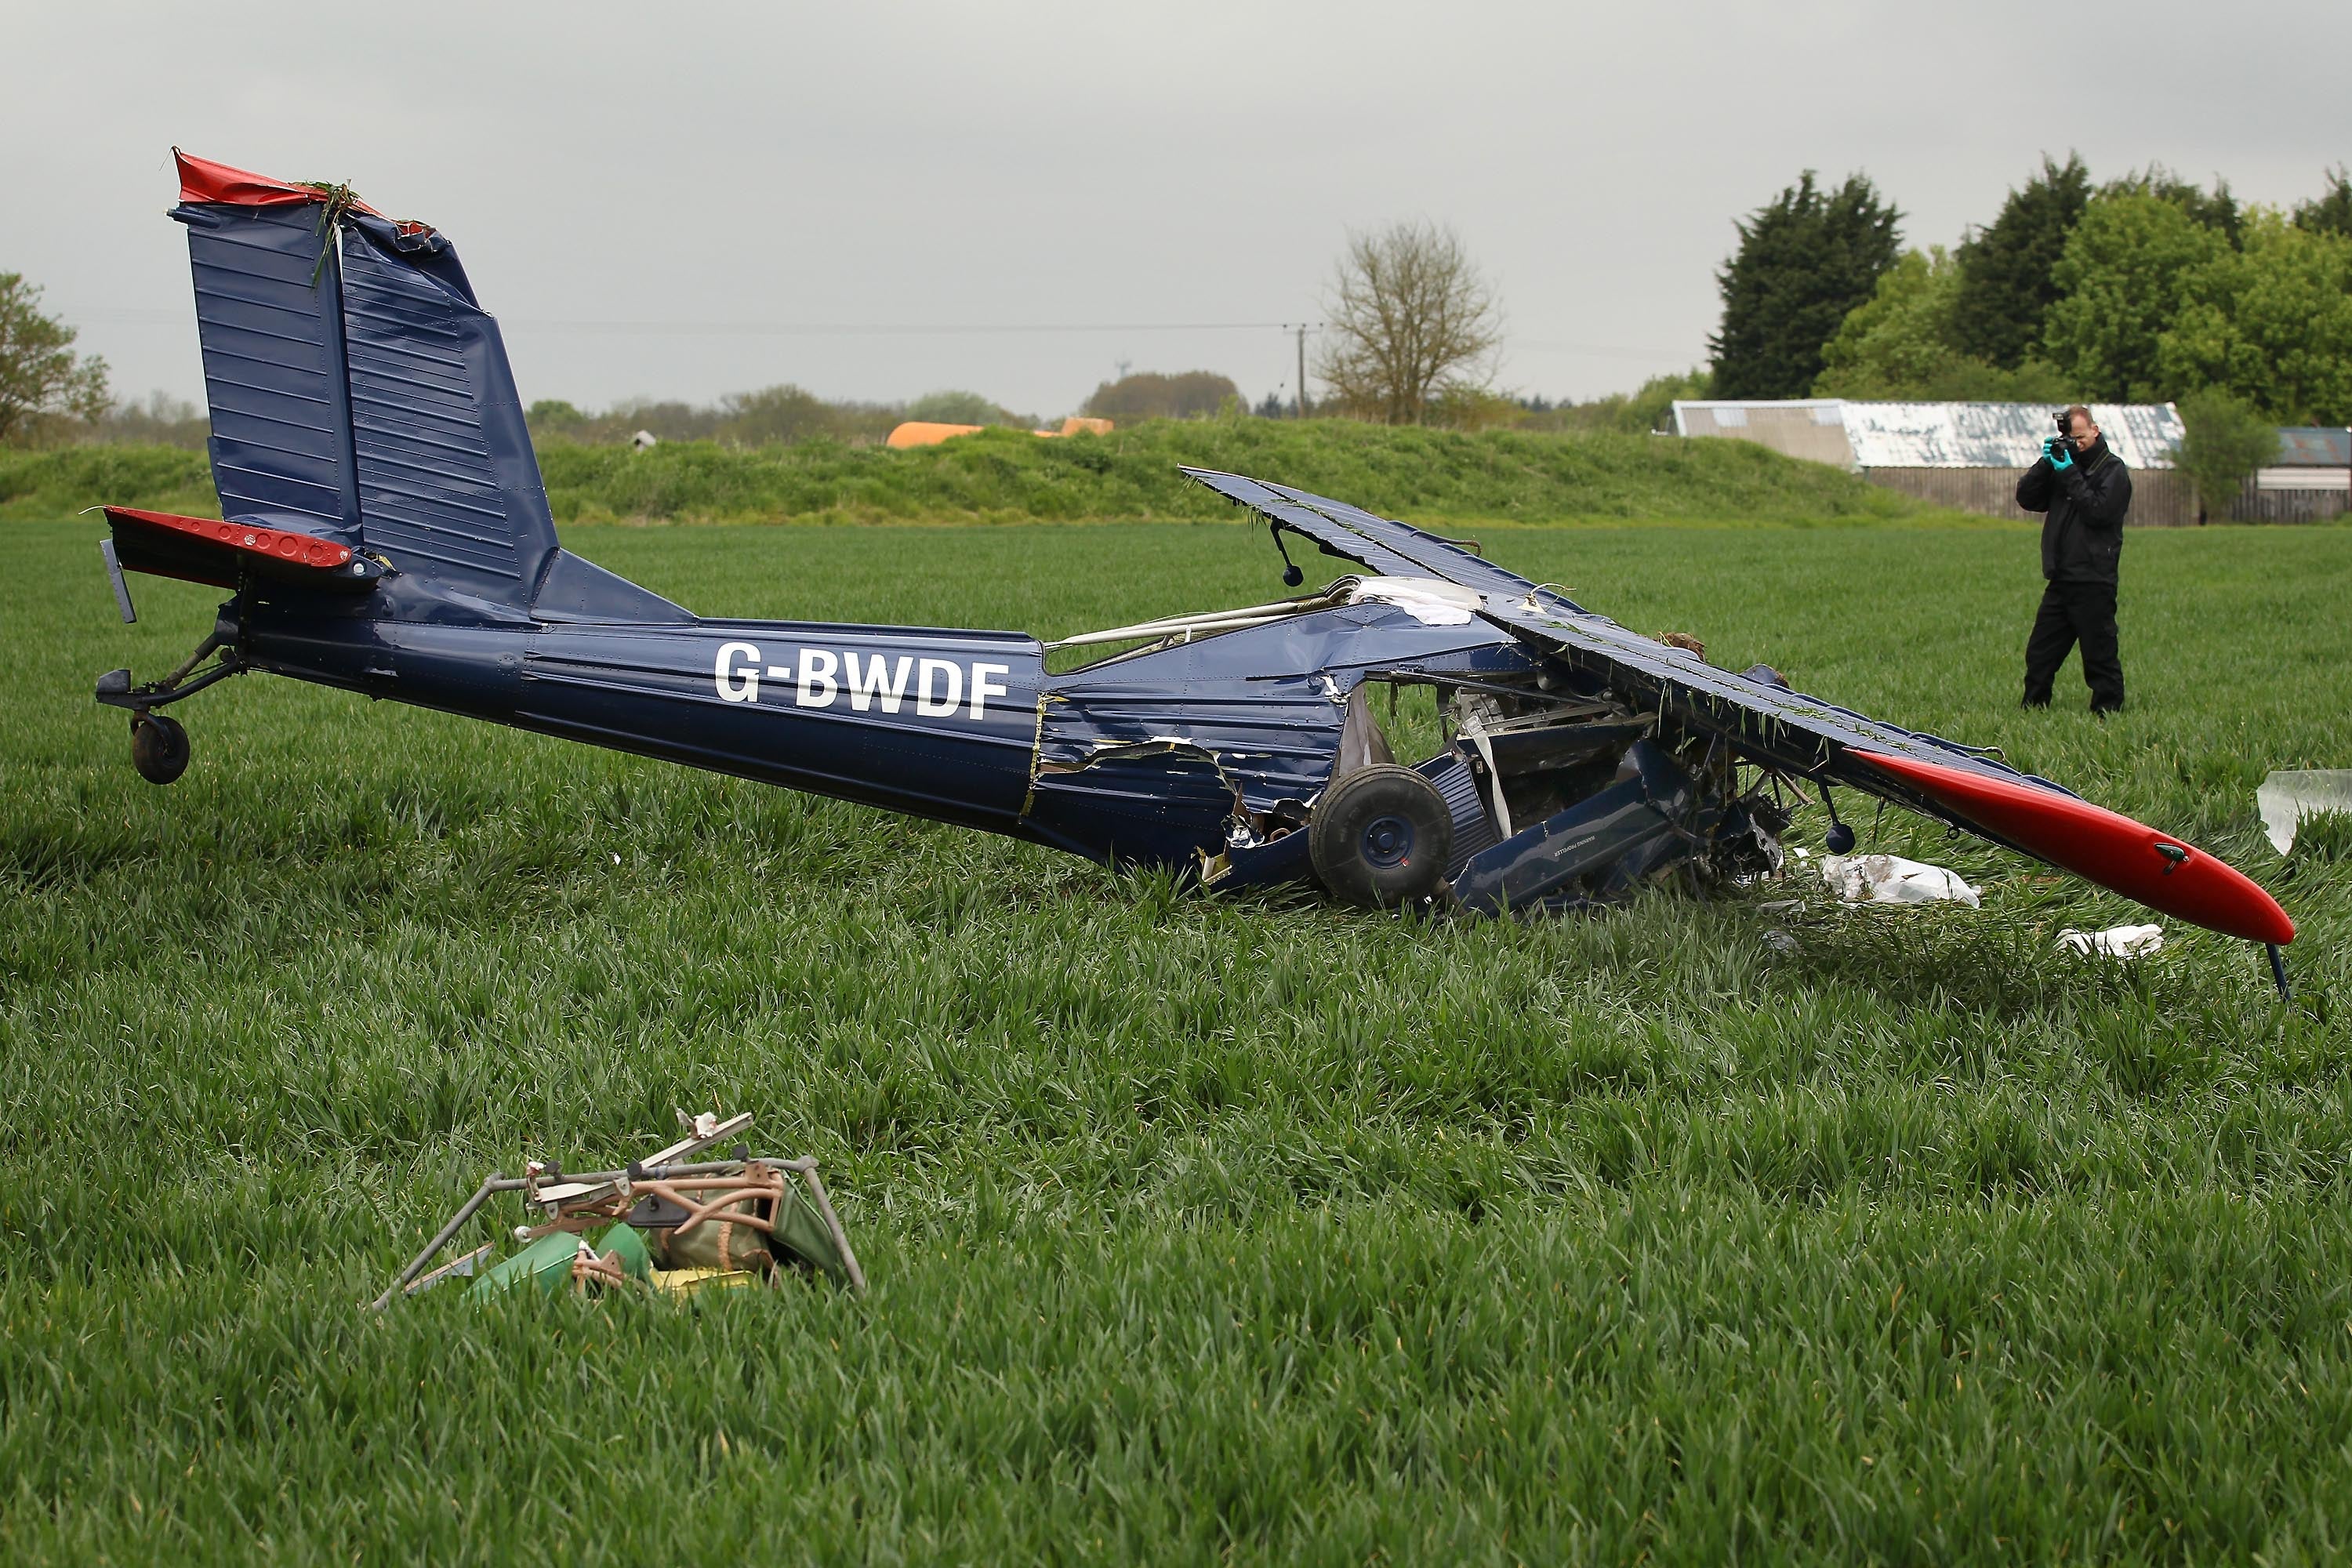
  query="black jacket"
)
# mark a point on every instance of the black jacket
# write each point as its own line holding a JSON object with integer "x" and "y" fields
{"x": 2083, "y": 538}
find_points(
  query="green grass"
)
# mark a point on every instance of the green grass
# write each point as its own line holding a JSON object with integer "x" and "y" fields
{"x": 1198, "y": 1228}
{"x": 1002, "y": 476}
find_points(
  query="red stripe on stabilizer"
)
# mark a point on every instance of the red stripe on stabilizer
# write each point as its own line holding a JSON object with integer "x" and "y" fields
{"x": 2105, "y": 846}
{"x": 202, "y": 180}
{"x": 270, "y": 543}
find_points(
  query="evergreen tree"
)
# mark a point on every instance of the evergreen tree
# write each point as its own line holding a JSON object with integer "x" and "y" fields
{"x": 2331, "y": 213}
{"x": 2215, "y": 209}
{"x": 1804, "y": 261}
{"x": 2005, "y": 285}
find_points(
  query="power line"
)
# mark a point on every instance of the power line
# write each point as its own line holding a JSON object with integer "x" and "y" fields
{"x": 1614, "y": 351}
{"x": 140, "y": 318}
{"x": 884, "y": 329}
{"x": 159, "y": 317}
{"x": 137, "y": 318}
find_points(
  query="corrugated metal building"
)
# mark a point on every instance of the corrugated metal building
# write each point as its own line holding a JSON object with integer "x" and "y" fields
{"x": 1968, "y": 455}
{"x": 2310, "y": 480}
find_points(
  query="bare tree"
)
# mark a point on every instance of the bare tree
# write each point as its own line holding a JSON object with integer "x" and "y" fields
{"x": 39, "y": 373}
{"x": 1410, "y": 318}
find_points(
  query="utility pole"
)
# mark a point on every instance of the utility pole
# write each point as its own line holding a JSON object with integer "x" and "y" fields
{"x": 1302, "y": 369}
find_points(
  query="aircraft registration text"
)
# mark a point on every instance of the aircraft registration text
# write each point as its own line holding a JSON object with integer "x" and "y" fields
{"x": 818, "y": 677}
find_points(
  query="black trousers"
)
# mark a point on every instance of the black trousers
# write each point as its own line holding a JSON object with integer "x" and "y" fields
{"x": 2072, "y": 612}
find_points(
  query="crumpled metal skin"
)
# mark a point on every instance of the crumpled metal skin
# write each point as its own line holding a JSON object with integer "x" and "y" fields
{"x": 1152, "y": 759}
{"x": 1653, "y": 803}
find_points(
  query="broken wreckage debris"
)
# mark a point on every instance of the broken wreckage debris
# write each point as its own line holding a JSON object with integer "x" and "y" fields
{"x": 672, "y": 1224}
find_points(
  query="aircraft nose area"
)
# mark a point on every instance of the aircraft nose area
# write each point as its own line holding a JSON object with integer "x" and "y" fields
{"x": 2161, "y": 871}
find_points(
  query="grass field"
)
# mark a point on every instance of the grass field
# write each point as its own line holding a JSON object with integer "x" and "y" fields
{"x": 1010, "y": 476}
{"x": 1198, "y": 1229}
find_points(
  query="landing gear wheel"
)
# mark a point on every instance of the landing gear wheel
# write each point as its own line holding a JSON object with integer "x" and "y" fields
{"x": 159, "y": 747}
{"x": 1381, "y": 836}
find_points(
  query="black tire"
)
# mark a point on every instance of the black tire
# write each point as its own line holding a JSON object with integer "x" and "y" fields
{"x": 159, "y": 748}
{"x": 1381, "y": 838}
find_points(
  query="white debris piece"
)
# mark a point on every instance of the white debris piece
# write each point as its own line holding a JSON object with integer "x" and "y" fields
{"x": 2115, "y": 941}
{"x": 2288, "y": 796}
{"x": 1427, "y": 600}
{"x": 1891, "y": 879}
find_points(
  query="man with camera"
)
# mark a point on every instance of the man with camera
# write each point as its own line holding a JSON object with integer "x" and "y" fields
{"x": 2085, "y": 489}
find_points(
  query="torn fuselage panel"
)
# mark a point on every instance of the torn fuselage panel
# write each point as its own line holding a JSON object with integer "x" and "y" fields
{"x": 1169, "y": 755}
{"x": 1622, "y": 833}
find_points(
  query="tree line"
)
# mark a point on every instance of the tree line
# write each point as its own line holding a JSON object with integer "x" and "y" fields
{"x": 785, "y": 415}
{"x": 2145, "y": 289}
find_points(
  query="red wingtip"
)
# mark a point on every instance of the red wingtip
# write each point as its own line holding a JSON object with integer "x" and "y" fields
{"x": 202, "y": 180}
{"x": 2107, "y": 847}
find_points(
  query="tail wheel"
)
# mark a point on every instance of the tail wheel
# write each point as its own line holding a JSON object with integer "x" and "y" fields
{"x": 1381, "y": 836}
{"x": 159, "y": 747}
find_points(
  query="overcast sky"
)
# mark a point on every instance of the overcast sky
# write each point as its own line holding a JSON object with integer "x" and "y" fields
{"x": 663, "y": 200}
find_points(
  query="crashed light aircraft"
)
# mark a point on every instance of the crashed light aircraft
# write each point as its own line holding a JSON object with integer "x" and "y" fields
{"x": 386, "y": 531}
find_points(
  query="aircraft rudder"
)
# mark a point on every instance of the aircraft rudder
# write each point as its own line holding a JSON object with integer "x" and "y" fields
{"x": 360, "y": 394}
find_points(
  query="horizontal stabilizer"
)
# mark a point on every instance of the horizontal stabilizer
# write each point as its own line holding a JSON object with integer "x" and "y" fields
{"x": 226, "y": 554}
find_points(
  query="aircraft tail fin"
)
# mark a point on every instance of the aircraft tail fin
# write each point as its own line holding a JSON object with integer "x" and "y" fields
{"x": 360, "y": 394}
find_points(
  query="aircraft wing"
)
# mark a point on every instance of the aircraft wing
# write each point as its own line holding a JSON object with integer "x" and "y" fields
{"x": 1801, "y": 736}
{"x": 1771, "y": 724}
{"x": 1943, "y": 779}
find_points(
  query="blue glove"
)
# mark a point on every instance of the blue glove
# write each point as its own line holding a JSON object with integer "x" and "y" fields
{"x": 2059, "y": 450}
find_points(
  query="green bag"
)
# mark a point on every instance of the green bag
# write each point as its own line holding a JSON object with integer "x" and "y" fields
{"x": 801, "y": 1234}
{"x": 545, "y": 1263}
{"x": 716, "y": 1244}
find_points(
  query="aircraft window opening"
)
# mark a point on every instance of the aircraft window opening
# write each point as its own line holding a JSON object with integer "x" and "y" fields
{"x": 1412, "y": 730}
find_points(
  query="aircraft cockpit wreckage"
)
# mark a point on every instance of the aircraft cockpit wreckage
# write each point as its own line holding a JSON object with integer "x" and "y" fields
{"x": 386, "y": 531}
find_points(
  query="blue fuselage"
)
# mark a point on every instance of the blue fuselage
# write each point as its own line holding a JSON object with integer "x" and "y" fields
{"x": 1153, "y": 759}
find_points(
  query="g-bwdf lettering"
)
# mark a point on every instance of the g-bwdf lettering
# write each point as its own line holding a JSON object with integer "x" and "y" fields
{"x": 819, "y": 678}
